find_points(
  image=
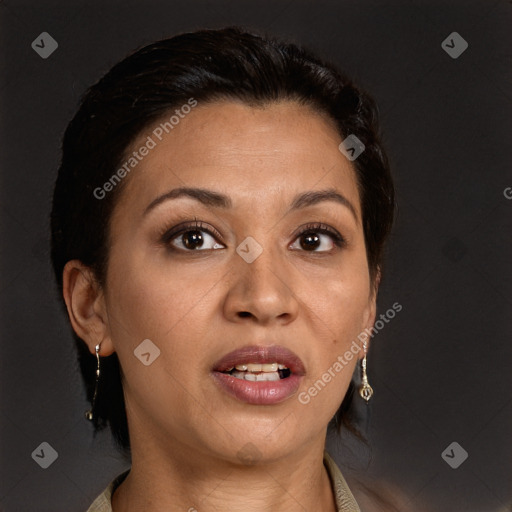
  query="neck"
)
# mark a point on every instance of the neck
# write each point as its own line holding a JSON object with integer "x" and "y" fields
{"x": 195, "y": 482}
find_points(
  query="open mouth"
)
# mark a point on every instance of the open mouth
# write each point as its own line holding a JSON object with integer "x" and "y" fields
{"x": 256, "y": 372}
{"x": 259, "y": 375}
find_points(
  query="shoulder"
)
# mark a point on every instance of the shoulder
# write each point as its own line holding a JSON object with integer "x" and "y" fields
{"x": 345, "y": 500}
{"x": 103, "y": 502}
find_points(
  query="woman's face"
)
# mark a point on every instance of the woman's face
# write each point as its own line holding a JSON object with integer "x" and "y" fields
{"x": 244, "y": 277}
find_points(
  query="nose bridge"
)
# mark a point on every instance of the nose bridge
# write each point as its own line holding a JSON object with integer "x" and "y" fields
{"x": 259, "y": 262}
{"x": 260, "y": 279}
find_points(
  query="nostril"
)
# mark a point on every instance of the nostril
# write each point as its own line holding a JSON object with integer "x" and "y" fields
{"x": 244, "y": 314}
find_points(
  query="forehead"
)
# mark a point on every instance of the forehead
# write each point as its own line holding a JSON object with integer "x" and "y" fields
{"x": 250, "y": 153}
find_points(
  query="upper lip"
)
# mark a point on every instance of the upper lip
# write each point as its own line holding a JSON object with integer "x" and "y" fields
{"x": 261, "y": 354}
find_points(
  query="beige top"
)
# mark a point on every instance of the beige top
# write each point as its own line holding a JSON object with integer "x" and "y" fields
{"x": 345, "y": 501}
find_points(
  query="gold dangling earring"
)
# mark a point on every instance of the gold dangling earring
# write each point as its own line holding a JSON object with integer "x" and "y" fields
{"x": 365, "y": 390}
{"x": 89, "y": 413}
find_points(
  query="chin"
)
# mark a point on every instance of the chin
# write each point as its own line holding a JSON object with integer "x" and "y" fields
{"x": 257, "y": 441}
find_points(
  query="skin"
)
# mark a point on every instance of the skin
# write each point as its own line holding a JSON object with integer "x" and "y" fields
{"x": 196, "y": 306}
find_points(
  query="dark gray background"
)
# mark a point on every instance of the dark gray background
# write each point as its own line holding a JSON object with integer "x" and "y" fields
{"x": 440, "y": 369}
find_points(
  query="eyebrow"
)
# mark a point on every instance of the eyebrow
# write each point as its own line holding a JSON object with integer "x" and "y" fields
{"x": 218, "y": 200}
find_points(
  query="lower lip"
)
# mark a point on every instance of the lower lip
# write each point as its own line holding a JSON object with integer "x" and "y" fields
{"x": 259, "y": 393}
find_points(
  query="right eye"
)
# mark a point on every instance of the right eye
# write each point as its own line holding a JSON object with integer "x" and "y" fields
{"x": 192, "y": 238}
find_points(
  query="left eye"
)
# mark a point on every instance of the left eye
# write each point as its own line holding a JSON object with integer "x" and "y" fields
{"x": 315, "y": 241}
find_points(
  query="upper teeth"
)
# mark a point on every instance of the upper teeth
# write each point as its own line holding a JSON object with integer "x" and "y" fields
{"x": 255, "y": 367}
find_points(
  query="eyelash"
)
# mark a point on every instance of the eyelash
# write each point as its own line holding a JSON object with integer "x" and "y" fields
{"x": 171, "y": 234}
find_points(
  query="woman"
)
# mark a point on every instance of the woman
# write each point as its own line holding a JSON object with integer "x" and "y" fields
{"x": 218, "y": 224}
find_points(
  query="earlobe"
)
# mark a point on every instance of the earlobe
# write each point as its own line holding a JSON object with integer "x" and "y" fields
{"x": 85, "y": 303}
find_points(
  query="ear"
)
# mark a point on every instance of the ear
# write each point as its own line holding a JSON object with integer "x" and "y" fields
{"x": 85, "y": 302}
{"x": 371, "y": 311}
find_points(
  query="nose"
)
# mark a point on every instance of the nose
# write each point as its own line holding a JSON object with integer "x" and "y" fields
{"x": 263, "y": 290}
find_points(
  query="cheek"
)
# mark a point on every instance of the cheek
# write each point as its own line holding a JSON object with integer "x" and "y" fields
{"x": 342, "y": 301}
{"x": 155, "y": 301}
{"x": 340, "y": 308}
{"x": 167, "y": 306}
{"x": 324, "y": 391}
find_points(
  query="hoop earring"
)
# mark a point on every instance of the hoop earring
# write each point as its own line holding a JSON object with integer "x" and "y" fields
{"x": 89, "y": 414}
{"x": 365, "y": 390}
